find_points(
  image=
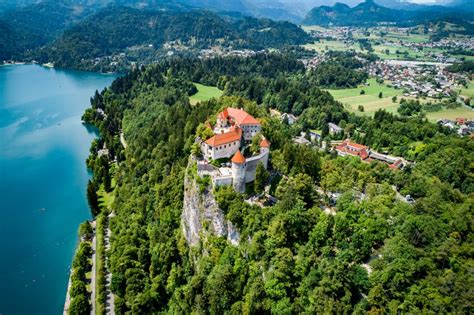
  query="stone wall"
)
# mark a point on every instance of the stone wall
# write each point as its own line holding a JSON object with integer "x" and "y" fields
{"x": 252, "y": 165}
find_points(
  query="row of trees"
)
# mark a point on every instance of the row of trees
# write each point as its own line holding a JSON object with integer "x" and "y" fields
{"x": 78, "y": 293}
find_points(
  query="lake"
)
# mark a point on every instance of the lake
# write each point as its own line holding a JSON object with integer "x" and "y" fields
{"x": 43, "y": 178}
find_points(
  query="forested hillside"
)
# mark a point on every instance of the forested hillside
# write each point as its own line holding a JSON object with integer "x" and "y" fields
{"x": 370, "y": 13}
{"x": 114, "y": 29}
{"x": 376, "y": 253}
{"x": 72, "y": 31}
{"x": 32, "y": 26}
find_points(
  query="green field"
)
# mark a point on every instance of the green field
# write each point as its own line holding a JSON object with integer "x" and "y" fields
{"x": 469, "y": 92}
{"x": 460, "y": 112}
{"x": 308, "y": 28}
{"x": 351, "y": 98}
{"x": 326, "y": 45}
{"x": 204, "y": 93}
{"x": 381, "y": 49}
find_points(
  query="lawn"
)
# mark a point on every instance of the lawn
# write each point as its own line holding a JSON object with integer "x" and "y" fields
{"x": 204, "y": 93}
{"x": 106, "y": 199}
{"x": 352, "y": 98}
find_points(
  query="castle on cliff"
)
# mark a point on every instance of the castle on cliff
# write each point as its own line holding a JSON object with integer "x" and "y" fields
{"x": 234, "y": 131}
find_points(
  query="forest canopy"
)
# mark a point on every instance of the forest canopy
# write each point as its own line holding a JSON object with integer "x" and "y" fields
{"x": 375, "y": 253}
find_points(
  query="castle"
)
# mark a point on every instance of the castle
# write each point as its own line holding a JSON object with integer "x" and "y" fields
{"x": 234, "y": 130}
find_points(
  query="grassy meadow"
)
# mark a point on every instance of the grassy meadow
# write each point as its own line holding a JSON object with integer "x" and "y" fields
{"x": 469, "y": 92}
{"x": 204, "y": 93}
{"x": 351, "y": 98}
{"x": 462, "y": 112}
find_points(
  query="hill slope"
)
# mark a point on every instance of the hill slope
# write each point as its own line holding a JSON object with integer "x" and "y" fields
{"x": 116, "y": 28}
{"x": 370, "y": 13}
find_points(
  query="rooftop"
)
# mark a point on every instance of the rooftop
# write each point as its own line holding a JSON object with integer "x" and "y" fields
{"x": 223, "y": 138}
{"x": 265, "y": 143}
{"x": 240, "y": 117}
{"x": 238, "y": 158}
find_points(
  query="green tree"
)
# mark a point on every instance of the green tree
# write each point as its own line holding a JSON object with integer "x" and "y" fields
{"x": 79, "y": 305}
{"x": 261, "y": 178}
{"x": 92, "y": 198}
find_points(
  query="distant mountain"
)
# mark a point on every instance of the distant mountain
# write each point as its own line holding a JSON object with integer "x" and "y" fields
{"x": 467, "y": 5}
{"x": 290, "y": 10}
{"x": 369, "y": 13}
{"x": 364, "y": 13}
{"x": 114, "y": 29}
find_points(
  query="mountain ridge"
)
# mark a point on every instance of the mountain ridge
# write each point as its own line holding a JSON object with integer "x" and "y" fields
{"x": 370, "y": 12}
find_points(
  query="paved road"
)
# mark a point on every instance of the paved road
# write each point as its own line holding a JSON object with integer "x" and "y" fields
{"x": 93, "y": 273}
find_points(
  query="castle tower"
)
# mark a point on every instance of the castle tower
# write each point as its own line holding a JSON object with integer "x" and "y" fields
{"x": 238, "y": 171}
{"x": 265, "y": 151}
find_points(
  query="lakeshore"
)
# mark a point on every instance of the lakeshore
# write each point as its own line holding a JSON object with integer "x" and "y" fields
{"x": 43, "y": 180}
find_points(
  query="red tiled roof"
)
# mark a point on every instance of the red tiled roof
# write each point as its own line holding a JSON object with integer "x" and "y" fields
{"x": 241, "y": 117}
{"x": 224, "y": 114}
{"x": 238, "y": 158}
{"x": 363, "y": 154}
{"x": 396, "y": 164}
{"x": 460, "y": 121}
{"x": 354, "y": 145}
{"x": 343, "y": 148}
{"x": 265, "y": 143}
{"x": 233, "y": 135}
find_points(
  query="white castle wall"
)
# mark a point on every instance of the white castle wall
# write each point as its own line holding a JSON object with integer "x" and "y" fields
{"x": 219, "y": 152}
{"x": 222, "y": 181}
{"x": 250, "y": 131}
{"x": 251, "y": 165}
{"x": 238, "y": 177}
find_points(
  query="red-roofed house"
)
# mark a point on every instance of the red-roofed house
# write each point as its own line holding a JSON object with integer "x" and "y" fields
{"x": 365, "y": 154}
{"x": 237, "y": 117}
{"x": 348, "y": 147}
{"x": 222, "y": 145}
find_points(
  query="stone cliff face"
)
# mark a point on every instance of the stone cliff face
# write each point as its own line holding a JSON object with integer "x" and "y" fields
{"x": 202, "y": 216}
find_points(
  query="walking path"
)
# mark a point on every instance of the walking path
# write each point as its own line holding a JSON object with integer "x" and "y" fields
{"x": 68, "y": 297}
{"x": 110, "y": 301}
{"x": 93, "y": 277}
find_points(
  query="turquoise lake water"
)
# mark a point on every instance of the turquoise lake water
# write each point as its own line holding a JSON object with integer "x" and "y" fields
{"x": 43, "y": 177}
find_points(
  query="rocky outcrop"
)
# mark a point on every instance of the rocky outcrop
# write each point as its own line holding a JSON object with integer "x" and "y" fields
{"x": 202, "y": 216}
